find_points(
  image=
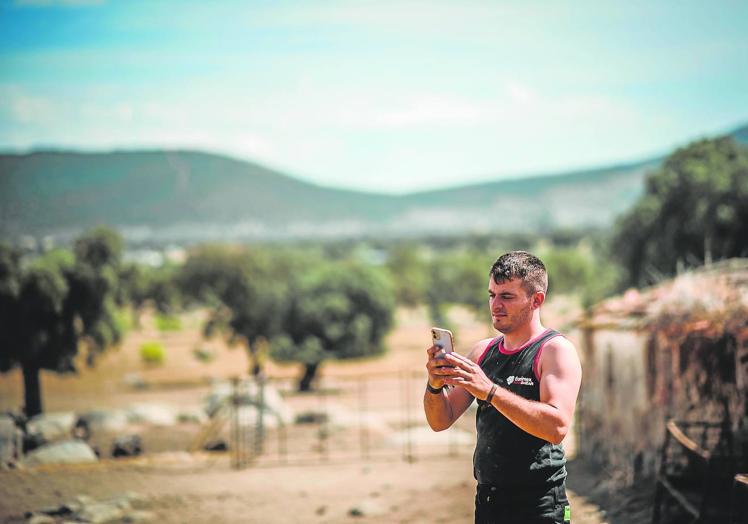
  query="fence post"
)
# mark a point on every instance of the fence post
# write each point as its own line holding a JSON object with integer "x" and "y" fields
{"x": 235, "y": 430}
{"x": 260, "y": 428}
{"x": 362, "y": 410}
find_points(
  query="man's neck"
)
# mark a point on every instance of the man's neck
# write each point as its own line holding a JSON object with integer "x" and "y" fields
{"x": 521, "y": 336}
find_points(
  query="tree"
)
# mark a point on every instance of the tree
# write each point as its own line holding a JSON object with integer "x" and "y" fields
{"x": 694, "y": 210}
{"x": 457, "y": 278}
{"x": 409, "y": 273}
{"x": 336, "y": 311}
{"x": 246, "y": 291}
{"x": 56, "y": 303}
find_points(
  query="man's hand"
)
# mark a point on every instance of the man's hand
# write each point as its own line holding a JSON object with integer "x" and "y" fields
{"x": 436, "y": 380}
{"x": 463, "y": 372}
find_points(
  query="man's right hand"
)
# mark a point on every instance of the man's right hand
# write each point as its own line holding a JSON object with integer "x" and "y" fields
{"x": 436, "y": 381}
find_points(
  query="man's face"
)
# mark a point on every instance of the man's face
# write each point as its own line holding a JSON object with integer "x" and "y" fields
{"x": 510, "y": 304}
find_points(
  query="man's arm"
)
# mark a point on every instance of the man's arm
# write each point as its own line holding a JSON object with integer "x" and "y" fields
{"x": 560, "y": 378}
{"x": 444, "y": 408}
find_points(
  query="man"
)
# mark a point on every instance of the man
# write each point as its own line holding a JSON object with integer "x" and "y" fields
{"x": 526, "y": 383}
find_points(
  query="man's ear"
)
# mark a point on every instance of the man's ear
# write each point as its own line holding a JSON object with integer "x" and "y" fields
{"x": 537, "y": 299}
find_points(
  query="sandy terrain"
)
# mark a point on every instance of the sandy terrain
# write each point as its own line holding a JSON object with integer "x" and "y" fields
{"x": 357, "y": 462}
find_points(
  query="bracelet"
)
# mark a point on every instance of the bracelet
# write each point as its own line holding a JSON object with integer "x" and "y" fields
{"x": 490, "y": 393}
{"x": 432, "y": 389}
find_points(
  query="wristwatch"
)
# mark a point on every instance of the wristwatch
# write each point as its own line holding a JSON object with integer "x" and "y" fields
{"x": 432, "y": 389}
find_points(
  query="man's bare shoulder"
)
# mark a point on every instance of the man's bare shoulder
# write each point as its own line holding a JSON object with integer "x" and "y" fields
{"x": 478, "y": 348}
{"x": 559, "y": 351}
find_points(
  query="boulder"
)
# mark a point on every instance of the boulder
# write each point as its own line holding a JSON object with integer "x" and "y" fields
{"x": 11, "y": 441}
{"x": 63, "y": 452}
{"x": 274, "y": 405}
{"x": 153, "y": 414}
{"x": 100, "y": 420}
{"x": 52, "y": 426}
{"x": 127, "y": 446}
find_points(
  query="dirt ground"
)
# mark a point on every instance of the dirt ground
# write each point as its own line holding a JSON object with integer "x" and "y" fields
{"x": 325, "y": 480}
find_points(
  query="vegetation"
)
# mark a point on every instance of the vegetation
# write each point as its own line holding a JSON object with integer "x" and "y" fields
{"x": 694, "y": 210}
{"x": 247, "y": 291}
{"x": 337, "y": 311}
{"x": 168, "y": 322}
{"x": 56, "y": 303}
{"x": 152, "y": 353}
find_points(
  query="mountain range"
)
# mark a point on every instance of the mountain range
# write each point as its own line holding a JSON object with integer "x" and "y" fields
{"x": 181, "y": 196}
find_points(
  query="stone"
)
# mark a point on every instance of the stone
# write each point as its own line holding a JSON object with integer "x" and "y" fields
{"x": 368, "y": 508}
{"x": 276, "y": 410}
{"x": 135, "y": 381}
{"x": 11, "y": 441}
{"x": 127, "y": 446}
{"x": 64, "y": 452}
{"x": 216, "y": 445}
{"x": 153, "y": 414}
{"x": 52, "y": 426}
{"x": 101, "y": 512}
{"x": 104, "y": 420}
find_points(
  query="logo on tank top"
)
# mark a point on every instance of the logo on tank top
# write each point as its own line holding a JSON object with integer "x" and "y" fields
{"x": 521, "y": 381}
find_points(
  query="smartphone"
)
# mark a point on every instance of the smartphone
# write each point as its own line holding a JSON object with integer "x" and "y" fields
{"x": 442, "y": 338}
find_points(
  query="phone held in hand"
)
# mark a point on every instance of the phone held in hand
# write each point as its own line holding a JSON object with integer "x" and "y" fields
{"x": 442, "y": 338}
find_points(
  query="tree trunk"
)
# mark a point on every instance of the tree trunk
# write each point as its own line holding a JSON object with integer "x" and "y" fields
{"x": 310, "y": 371}
{"x": 32, "y": 391}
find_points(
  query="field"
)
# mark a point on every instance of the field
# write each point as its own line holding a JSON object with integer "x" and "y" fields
{"x": 376, "y": 461}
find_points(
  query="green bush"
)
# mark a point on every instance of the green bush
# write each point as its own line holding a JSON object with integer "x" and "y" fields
{"x": 168, "y": 322}
{"x": 152, "y": 353}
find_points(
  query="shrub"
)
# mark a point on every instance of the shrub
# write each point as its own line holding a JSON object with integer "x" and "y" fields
{"x": 152, "y": 353}
{"x": 168, "y": 323}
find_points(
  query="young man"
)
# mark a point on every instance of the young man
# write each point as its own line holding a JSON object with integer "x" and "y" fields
{"x": 526, "y": 383}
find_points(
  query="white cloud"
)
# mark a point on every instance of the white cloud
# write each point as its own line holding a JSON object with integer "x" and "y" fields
{"x": 23, "y": 107}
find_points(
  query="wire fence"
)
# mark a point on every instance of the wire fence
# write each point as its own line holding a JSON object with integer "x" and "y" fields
{"x": 346, "y": 417}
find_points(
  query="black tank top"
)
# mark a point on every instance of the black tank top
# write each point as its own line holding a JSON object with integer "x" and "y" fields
{"x": 505, "y": 455}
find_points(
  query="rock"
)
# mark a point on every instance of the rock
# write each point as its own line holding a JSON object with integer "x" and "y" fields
{"x": 135, "y": 500}
{"x": 104, "y": 420}
{"x": 216, "y": 445}
{"x": 64, "y": 452}
{"x": 311, "y": 417}
{"x": 52, "y": 426}
{"x": 101, "y": 512}
{"x": 32, "y": 441}
{"x": 11, "y": 441}
{"x": 368, "y": 508}
{"x": 192, "y": 415}
{"x": 135, "y": 381}
{"x": 127, "y": 446}
{"x": 153, "y": 414}
{"x": 275, "y": 407}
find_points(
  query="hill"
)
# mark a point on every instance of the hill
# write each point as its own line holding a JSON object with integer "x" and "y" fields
{"x": 189, "y": 196}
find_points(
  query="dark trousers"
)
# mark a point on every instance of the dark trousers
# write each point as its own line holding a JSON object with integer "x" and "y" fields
{"x": 494, "y": 505}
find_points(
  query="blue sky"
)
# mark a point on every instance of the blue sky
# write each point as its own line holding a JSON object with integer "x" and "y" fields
{"x": 385, "y": 96}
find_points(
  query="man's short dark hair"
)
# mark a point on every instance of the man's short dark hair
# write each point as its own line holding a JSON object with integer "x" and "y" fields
{"x": 524, "y": 266}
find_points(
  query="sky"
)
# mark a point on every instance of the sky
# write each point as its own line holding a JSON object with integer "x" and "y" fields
{"x": 379, "y": 96}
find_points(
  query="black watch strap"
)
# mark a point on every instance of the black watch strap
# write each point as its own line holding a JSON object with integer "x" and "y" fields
{"x": 432, "y": 389}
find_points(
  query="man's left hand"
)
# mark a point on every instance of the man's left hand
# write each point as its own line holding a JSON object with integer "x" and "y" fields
{"x": 466, "y": 374}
